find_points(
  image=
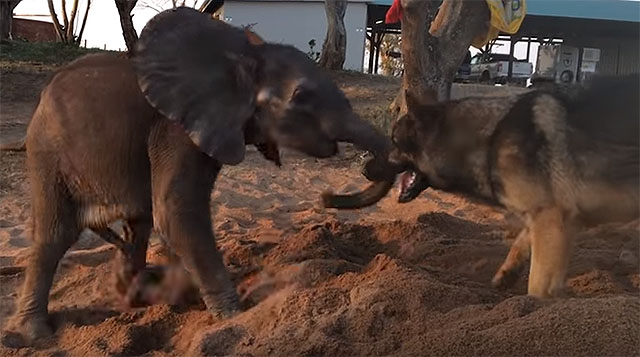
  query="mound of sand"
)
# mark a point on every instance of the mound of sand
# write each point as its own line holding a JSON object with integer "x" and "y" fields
{"x": 410, "y": 279}
{"x": 404, "y": 288}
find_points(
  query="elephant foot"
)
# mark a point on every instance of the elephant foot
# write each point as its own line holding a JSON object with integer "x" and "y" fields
{"x": 223, "y": 305}
{"x": 24, "y": 331}
{"x": 506, "y": 278}
{"x": 169, "y": 285}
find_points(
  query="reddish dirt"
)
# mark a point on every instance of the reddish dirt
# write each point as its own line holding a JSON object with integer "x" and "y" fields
{"x": 393, "y": 279}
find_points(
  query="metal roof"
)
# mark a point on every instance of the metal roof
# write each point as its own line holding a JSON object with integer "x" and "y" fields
{"x": 614, "y": 10}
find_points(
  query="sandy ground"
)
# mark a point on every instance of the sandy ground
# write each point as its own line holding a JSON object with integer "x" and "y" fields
{"x": 410, "y": 279}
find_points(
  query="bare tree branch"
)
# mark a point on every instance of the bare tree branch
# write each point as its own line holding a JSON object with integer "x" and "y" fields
{"x": 126, "y": 22}
{"x": 161, "y": 5}
{"x": 71, "y": 25}
{"x": 84, "y": 22}
{"x": 56, "y": 22}
{"x": 66, "y": 32}
{"x": 149, "y": 4}
{"x": 65, "y": 19}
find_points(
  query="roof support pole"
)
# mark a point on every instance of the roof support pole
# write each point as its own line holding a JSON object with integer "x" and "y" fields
{"x": 378, "y": 46}
{"x": 512, "y": 45}
{"x": 372, "y": 48}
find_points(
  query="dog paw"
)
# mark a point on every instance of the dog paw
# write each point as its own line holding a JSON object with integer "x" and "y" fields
{"x": 505, "y": 278}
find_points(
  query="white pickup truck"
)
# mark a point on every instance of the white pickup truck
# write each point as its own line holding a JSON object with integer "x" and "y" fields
{"x": 493, "y": 68}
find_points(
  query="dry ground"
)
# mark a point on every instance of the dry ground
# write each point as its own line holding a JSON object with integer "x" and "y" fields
{"x": 408, "y": 279}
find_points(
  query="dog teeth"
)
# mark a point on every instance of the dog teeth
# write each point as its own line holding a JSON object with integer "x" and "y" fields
{"x": 412, "y": 179}
{"x": 407, "y": 180}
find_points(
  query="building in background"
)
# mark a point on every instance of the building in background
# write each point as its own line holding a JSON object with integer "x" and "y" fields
{"x": 597, "y": 36}
{"x": 33, "y": 30}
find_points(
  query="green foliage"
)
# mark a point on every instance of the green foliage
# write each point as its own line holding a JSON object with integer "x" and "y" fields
{"x": 47, "y": 53}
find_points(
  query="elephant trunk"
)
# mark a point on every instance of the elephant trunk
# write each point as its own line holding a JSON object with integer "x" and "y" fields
{"x": 379, "y": 170}
{"x": 366, "y": 137}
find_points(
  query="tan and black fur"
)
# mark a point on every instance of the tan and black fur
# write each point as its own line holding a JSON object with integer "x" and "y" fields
{"x": 559, "y": 162}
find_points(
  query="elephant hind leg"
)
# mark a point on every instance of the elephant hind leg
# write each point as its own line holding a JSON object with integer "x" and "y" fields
{"x": 55, "y": 230}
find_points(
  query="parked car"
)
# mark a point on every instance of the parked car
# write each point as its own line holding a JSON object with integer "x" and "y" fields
{"x": 464, "y": 71}
{"x": 492, "y": 68}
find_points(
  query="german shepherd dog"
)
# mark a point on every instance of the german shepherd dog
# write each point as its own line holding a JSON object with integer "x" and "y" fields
{"x": 558, "y": 160}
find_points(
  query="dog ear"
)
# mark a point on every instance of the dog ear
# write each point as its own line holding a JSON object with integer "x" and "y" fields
{"x": 426, "y": 114}
{"x": 403, "y": 134}
{"x": 413, "y": 102}
{"x": 430, "y": 115}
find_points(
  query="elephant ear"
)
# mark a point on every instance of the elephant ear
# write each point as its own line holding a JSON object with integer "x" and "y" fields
{"x": 201, "y": 74}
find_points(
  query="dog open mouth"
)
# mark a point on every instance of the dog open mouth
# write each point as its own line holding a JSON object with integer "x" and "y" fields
{"x": 412, "y": 183}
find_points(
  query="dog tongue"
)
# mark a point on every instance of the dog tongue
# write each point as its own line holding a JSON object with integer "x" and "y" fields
{"x": 407, "y": 179}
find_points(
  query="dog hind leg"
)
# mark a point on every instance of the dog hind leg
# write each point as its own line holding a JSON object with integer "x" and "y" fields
{"x": 518, "y": 255}
{"x": 550, "y": 251}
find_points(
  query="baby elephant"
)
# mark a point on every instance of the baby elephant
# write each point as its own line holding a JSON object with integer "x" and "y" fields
{"x": 143, "y": 141}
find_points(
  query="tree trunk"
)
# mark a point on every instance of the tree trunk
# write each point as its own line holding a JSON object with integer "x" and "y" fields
{"x": 56, "y": 23}
{"x": 65, "y": 19}
{"x": 431, "y": 60}
{"x": 72, "y": 20}
{"x": 128, "y": 31}
{"x": 6, "y": 17}
{"x": 335, "y": 44}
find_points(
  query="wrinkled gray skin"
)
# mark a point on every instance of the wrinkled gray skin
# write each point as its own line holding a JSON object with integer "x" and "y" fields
{"x": 101, "y": 149}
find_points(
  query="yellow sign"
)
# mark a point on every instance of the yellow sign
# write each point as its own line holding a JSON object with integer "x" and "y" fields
{"x": 506, "y": 16}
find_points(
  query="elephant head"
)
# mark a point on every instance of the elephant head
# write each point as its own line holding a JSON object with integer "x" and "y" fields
{"x": 208, "y": 77}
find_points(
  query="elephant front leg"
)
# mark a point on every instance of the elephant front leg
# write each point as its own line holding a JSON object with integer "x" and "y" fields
{"x": 191, "y": 237}
{"x": 183, "y": 178}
